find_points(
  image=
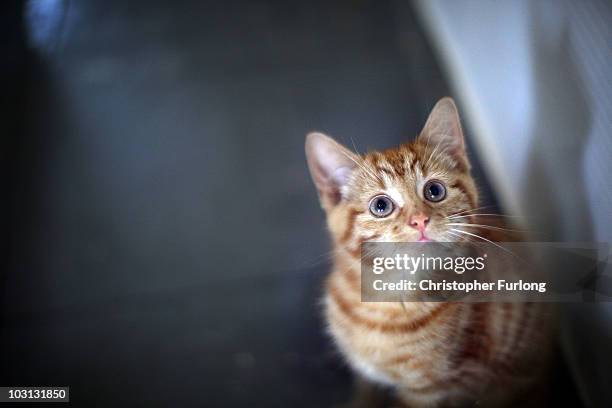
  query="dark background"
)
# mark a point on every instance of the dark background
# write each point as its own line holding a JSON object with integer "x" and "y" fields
{"x": 164, "y": 242}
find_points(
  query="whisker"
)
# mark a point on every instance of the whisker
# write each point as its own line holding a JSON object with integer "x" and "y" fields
{"x": 354, "y": 145}
{"x": 442, "y": 151}
{"x": 483, "y": 215}
{"x": 362, "y": 166}
{"x": 470, "y": 210}
{"x": 484, "y": 239}
{"x": 432, "y": 153}
{"x": 485, "y": 226}
{"x": 315, "y": 261}
{"x": 427, "y": 141}
{"x": 461, "y": 237}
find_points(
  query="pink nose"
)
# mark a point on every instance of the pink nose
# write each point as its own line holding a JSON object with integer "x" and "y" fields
{"x": 419, "y": 221}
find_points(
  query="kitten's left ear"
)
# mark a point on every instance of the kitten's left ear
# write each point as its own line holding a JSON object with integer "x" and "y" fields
{"x": 443, "y": 129}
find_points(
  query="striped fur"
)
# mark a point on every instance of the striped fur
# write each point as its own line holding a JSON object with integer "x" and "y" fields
{"x": 432, "y": 354}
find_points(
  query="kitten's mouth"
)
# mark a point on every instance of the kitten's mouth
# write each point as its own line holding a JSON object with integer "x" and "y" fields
{"x": 425, "y": 239}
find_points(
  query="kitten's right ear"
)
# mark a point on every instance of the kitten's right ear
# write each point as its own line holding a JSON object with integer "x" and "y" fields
{"x": 331, "y": 165}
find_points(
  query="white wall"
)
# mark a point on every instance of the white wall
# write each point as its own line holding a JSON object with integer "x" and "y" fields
{"x": 535, "y": 80}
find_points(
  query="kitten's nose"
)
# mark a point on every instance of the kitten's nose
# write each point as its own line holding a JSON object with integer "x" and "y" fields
{"x": 419, "y": 221}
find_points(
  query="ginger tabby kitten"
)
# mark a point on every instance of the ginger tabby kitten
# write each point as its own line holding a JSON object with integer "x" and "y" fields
{"x": 431, "y": 354}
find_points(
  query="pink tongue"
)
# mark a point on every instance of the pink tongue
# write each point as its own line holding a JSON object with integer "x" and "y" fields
{"x": 424, "y": 239}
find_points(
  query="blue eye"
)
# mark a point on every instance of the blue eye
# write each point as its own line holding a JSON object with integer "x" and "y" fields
{"x": 381, "y": 206}
{"x": 434, "y": 191}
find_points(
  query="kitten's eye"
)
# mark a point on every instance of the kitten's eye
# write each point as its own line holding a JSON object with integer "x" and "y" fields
{"x": 434, "y": 191}
{"x": 381, "y": 206}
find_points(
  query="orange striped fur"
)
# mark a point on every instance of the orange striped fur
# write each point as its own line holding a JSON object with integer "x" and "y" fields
{"x": 432, "y": 354}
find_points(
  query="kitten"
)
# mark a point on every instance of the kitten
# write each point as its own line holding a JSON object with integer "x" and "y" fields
{"x": 431, "y": 354}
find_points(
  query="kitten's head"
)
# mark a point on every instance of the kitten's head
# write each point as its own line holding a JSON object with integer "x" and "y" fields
{"x": 401, "y": 194}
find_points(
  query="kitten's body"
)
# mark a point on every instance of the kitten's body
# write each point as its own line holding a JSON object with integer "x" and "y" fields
{"x": 433, "y": 354}
{"x": 438, "y": 354}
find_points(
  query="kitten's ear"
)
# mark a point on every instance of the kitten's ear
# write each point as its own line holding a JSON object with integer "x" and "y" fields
{"x": 331, "y": 165}
{"x": 443, "y": 129}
